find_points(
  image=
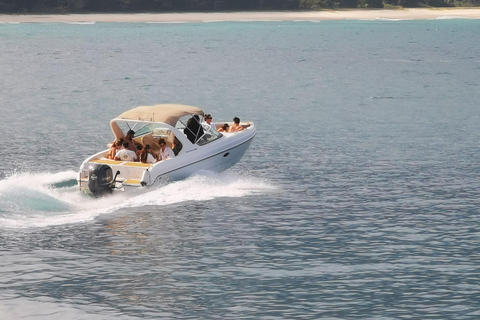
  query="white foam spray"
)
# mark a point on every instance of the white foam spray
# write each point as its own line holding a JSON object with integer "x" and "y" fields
{"x": 32, "y": 200}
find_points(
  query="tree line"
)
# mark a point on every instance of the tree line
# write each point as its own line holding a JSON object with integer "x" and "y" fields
{"x": 109, "y": 6}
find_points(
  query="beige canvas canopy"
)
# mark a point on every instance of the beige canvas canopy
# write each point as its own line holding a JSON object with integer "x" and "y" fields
{"x": 167, "y": 113}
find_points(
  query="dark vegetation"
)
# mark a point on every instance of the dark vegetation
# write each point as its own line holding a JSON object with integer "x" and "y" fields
{"x": 110, "y": 6}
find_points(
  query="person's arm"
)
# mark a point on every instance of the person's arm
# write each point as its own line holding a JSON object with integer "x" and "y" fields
{"x": 152, "y": 158}
{"x": 168, "y": 153}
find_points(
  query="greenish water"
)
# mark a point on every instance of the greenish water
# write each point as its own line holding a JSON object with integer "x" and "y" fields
{"x": 358, "y": 198}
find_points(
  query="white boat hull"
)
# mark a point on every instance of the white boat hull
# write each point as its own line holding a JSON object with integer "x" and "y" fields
{"x": 220, "y": 161}
{"x": 216, "y": 156}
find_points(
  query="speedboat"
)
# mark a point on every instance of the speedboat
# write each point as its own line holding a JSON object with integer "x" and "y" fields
{"x": 203, "y": 148}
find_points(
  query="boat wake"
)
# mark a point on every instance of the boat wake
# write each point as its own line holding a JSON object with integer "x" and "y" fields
{"x": 32, "y": 200}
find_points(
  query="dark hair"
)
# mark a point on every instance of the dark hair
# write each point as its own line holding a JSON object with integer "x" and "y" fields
{"x": 225, "y": 126}
{"x": 236, "y": 120}
{"x": 126, "y": 144}
{"x": 117, "y": 143}
{"x": 144, "y": 153}
{"x": 161, "y": 140}
{"x": 130, "y": 133}
{"x": 207, "y": 116}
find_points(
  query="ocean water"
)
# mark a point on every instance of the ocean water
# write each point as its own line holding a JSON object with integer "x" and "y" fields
{"x": 358, "y": 199}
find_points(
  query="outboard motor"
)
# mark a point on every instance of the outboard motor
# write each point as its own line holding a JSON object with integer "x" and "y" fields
{"x": 100, "y": 179}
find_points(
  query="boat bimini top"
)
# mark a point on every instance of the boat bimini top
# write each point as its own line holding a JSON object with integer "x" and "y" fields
{"x": 166, "y": 113}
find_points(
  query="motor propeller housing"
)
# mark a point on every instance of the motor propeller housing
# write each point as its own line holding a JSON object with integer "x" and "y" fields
{"x": 100, "y": 179}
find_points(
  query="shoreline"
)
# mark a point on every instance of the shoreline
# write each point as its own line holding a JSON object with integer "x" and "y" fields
{"x": 192, "y": 17}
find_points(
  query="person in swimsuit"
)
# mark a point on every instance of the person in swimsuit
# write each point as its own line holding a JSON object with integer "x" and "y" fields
{"x": 116, "y": 145}
{"x": 224, "y": 128}
{"x": 133, "y": 145}
{"x": 236, "y": 125}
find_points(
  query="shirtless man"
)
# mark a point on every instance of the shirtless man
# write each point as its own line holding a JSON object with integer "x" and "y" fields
{"x": 132, "y": 145}
{"x": 236, "y": 125}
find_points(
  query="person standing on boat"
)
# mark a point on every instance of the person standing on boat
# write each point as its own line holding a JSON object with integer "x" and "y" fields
{"x": 132, "y": 144}
{"x": 165, "y": 152}
{"x": 125, "y": 154}
{"x": 208, "y": 120}
{"x": 194, "y": 130}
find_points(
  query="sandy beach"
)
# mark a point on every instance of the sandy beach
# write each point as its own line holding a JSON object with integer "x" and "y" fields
{"x": 400, "y": 14}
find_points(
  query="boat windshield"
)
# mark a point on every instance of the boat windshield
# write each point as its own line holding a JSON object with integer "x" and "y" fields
{"x": 209, "y": 136}
{"x": 197, "y": 131}
{"x": 157, "y": 130}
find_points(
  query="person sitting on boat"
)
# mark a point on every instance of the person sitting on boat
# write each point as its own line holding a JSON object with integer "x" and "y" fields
{"x": 146, "y": 155}
{"x": 165, "y": 152}
{"x": 208, "y": 120}
{"x": 177, "y": 146}
{"x": 194, "y": 130}
{"x": 236, "y": 125}
{"x": 116, "y": 145}
{"x": 133, "y": 145}
{"x": 224, "y": 128}
{"x": 125, "y": 154}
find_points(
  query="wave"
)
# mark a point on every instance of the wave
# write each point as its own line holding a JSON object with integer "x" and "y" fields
{"x": 166, "y": 22}
{"x": 82, "y": 22}
{"x": 391, "y": 19}
{"x": 33, "y": 200}
{"x": 452, "y": 17}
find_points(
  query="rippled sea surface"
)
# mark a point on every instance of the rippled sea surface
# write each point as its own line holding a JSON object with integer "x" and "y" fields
{"x": 358, "y": 199}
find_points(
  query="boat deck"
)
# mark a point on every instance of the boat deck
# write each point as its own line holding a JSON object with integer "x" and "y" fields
{"x": 122, "y": 163}
{"x": 130, "y": 172}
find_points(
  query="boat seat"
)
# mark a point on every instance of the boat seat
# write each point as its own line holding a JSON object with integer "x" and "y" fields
{"x": 123, "y": 163}
{"x": 153, "y": 142}
{"x": 106, "y": 161}
{"x": 136, "y": 164}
